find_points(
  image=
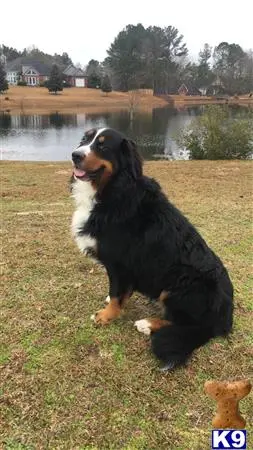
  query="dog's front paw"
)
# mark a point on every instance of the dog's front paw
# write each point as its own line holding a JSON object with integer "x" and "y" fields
{"x": 101, "y": 317}
{"x": 104, "y": 316}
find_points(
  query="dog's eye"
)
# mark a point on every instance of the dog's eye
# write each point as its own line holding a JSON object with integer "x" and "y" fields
{"x": 88, "y": 136}
{"x": 84, "y": 140}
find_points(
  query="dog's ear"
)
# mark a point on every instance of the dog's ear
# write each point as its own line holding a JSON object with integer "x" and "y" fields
{"x": 131, "y": 159}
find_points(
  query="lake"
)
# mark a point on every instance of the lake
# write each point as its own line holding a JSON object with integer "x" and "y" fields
{"x": 53, "y": 137}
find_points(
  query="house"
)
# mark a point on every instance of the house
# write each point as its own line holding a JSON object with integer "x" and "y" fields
{"x": 203, "y": 90}
{"x": 183, "y": 88}
{"x": 216, "y": 88}
{"x": 75, "y": 76}
{"x": 35, "y": 73}
{"x": 188, "y": 89}
{"x": 30, "y": 71}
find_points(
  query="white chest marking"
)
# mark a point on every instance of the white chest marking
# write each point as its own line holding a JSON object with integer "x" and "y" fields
{"x": 83, "y": 194}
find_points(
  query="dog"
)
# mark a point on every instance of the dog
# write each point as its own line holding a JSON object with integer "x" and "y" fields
{"x": 124, "y": 221}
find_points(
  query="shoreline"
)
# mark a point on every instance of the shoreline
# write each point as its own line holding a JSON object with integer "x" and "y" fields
{"x": 35, "y": 100}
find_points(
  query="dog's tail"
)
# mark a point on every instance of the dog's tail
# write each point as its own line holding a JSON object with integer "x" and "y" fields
{"x": 173, "y": 344}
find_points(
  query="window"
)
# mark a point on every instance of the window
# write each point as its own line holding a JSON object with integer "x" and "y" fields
{"x": 12, "y": 77}
{"x": 31, "y": 72}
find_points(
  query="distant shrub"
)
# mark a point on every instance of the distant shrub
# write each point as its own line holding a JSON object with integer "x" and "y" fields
{"x": 54, "y": 83}
{"x": 3, "y": 82}
{"x": 43, "y": 83}
{"x": 66, "y": 84}
{"x": 106, "y": 85}
{"x": 22, "y": 83}
{"x": 94, "y": 81}
{"x": 217, "y": 135}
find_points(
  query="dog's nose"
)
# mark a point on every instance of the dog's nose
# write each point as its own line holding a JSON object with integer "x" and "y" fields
{"x": 77, "y": 156}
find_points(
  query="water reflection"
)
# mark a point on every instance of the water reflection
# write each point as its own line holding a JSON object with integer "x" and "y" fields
{"x": 5, "y": 124}
{"x": 52, "y": 137}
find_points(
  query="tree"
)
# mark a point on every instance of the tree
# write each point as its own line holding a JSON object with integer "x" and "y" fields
{"x": 106, "y": 84}
{"x": 66, "y": 60}
{"x": 229, "y": 60}
{"x": 143, "y": 57}
{"x": 35, "y": 53}
{"x": 3, "y": 82}
{"x": 205, "y": 75}
{"x": 205, "y": 54}
{"x": 93, "y": 81}
{"x": 10, "y": 52}
{"x": 246, "y": 85}
{"x": 94, "y": 66}
{"x": 125, "y": 56}
{"x": 94, "y": 72}
{"x": 54, "y": 84}
{"x": 217, "y": 135}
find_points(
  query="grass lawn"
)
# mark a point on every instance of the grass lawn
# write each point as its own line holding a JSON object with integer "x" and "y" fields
{"x": 31, "y": 100}
{"x": 66, "y": 384}
{"x": 37, "y": 100}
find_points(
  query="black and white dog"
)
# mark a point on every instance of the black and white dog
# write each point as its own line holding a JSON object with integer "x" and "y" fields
{"x": 124, "y": 220}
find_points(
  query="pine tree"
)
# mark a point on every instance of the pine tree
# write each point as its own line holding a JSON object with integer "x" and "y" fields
{"x": 106, "y": 85}
{"x": 54, "y": 84}
{"x": 3, "y": 82}
{"x": 94, "y": 81}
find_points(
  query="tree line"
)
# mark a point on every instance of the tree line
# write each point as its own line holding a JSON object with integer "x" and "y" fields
{"x": 34, "y": 53}
{"x": 158, "y": 58}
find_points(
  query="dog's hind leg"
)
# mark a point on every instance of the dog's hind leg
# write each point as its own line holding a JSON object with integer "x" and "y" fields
{"x": 150, "y": 325}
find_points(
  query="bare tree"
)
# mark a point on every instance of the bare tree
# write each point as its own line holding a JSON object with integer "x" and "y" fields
{"x": 134, "y": 98}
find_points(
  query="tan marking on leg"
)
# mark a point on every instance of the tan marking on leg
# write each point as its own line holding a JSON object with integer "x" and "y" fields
{"x": 110, "y": 312}
{"x": 156, "y": 324}
{"x": 163, "y": 296}
{"x": 124, "y": 298}
{"x": 151, "y": 324}
{"x": 112, "y": 309}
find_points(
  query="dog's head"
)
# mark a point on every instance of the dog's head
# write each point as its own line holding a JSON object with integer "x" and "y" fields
{"x": 102, "y": 154}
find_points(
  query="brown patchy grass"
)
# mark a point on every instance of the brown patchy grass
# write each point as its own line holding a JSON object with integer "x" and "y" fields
{"x": 68, "y": 385}
{"x": 30, "y": 100}
{"x": 35, "y": 99}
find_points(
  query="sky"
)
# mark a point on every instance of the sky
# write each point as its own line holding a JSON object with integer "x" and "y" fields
{"x": 85, "y": 29}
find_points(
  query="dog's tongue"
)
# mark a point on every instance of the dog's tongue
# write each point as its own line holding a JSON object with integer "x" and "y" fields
{"x": 79, "y": 172}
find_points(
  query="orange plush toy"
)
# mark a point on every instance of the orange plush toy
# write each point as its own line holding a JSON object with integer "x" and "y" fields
{"x": 228, "y": 394}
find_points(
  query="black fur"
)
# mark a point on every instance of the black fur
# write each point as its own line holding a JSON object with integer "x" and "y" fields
{"x": 147, "y": 245}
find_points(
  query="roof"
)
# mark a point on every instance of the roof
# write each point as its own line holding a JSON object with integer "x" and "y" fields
{"x": 72, "y": 71}
{"x": 191, "y": 89}
{"x": 17, "y": 64}
{"x": 42, "y": 68}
